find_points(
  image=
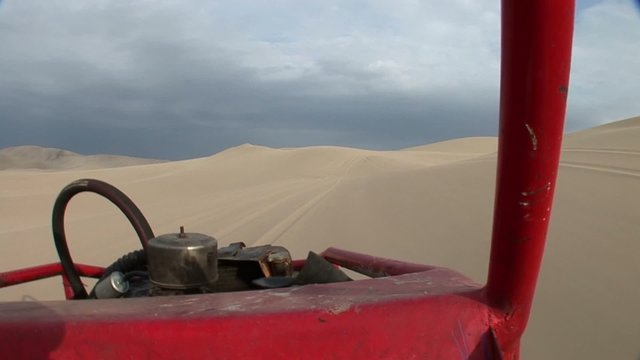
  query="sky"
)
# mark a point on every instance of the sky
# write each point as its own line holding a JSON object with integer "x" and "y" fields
{"x": 177, "y": 79}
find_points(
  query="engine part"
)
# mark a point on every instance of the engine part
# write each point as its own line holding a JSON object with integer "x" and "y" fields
{"x": 183, "y": 260}
{"x": 113, "y": 286}
{"x": 316, "y": 270}
{"x": 239, "y": 265}
{"x": 176, "y": 264}
{"x": 274, "y": 282}
{"x": 272, "y": 260}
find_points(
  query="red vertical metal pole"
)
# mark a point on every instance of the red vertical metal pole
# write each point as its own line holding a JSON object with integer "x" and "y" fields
{"x": 536, "y": 57}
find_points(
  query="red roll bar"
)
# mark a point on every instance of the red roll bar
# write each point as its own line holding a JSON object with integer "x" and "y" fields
{"x": 536, "y": 57}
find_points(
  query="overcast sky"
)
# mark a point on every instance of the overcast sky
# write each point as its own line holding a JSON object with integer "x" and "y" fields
{"x": 181, "y": 79}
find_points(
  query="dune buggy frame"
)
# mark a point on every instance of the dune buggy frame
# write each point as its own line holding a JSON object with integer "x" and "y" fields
{"x": 406, "y": 310}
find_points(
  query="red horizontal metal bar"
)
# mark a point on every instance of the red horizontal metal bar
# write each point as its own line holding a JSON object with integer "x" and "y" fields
{"x": 536, "y": 57}
{"x": 424, "y": 315}
{"x": 25, "y": 275}
{"x": 371, "y": 266}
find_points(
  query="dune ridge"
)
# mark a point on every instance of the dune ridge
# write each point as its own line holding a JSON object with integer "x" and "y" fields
{"x": 42, "y": 158}
{"x": 430, "y": 204}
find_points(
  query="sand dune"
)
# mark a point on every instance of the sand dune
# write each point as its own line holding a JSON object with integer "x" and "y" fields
{"x": 36, "y": 157}
{"x": 470, "y": 145}
{"x": 430, "y": 204}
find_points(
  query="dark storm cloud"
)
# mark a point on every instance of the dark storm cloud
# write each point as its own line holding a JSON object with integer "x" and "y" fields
{"x": 202, "y": 116}
{"x": 88, "y": 85}
{"x": 182, "y": 79}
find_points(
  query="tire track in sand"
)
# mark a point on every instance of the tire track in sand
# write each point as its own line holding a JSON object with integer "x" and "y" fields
{"x": 279, "y": 229}
{"x": 262, "y": 211}
{"x": 601, "y": 151}
{"x": 605, "y": 169}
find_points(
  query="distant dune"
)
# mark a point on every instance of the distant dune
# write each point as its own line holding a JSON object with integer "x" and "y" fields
{"x": 430, "y": 204}
{"x": 463, "y": 145}
{"x": 36, "y": 157}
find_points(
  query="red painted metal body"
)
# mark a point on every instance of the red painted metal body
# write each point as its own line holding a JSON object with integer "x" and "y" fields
{"x": 436, "y": 313}
{"x": 407, "y": 311}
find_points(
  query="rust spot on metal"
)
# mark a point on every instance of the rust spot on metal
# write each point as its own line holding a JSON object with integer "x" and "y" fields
{"x": 564, "y": 89}
{"x": 321, "y": 320}
{"x": 532, "y": 136}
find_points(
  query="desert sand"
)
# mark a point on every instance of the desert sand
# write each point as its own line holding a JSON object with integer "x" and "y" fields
{"x": 41, "y": 158}
{"x": 430, "y": 204}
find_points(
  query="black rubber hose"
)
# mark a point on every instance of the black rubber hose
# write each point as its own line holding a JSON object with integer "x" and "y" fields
{"x": 133, "y": 274}
{"x": 118, "y": 198}
{"x": 133, "y": 261}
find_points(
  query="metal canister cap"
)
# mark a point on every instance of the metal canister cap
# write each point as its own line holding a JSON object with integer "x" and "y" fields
{"x": 183, "y": 260}
{"x": 112, "y": 286}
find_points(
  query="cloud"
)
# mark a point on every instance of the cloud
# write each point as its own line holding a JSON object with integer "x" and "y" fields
{"x": 606, "y": 61}
{"x": 132, "y": 77}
